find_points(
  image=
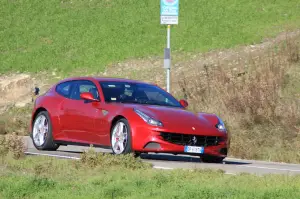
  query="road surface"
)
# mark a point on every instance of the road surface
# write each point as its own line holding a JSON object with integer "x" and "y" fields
{"x": 166, "y": 161}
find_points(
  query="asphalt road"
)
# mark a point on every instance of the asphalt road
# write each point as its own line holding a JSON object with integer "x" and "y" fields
{"x": 166, "y": 161}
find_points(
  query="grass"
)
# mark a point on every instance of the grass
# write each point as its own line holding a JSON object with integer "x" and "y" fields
{"x": 99, "y": 175}
{"x": 45, "y": 177}
{"x": 74, "y": 34}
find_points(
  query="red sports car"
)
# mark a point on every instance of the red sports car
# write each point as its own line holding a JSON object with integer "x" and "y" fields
{"x": 125, "y": 115}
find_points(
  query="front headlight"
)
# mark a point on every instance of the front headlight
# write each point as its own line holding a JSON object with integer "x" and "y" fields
{"x": 148, "y": 119}
{"x": 221, "y": 125}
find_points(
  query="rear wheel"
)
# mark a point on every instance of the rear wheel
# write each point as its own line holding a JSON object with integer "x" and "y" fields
{"x": 121, "y": 137}
{"x": 42, "y": 132}
{"x": 212, "y": 159}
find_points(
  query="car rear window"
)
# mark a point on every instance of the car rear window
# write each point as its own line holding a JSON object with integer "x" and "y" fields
{"x": 64, "y": 89}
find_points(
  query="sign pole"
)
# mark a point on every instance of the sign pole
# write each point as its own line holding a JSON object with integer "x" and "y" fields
{"x": 169, "y": 10}
{"x": 169, "y": 49}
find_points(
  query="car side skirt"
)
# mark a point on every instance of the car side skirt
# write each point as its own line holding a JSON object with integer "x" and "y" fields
{"x": 65, "y": 143}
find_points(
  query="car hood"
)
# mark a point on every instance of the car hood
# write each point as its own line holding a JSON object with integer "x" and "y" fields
{"x": 181, "y": 120}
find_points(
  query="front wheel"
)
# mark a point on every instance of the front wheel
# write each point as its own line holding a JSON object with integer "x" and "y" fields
{"x": 212, "y": 159}
{"x": 121, "y": 137}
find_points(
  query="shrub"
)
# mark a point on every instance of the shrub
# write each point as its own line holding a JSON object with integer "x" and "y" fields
{"x": 12, "y": 144}
{"x": 2, "y": 127}
{"x": 92, "y": 158}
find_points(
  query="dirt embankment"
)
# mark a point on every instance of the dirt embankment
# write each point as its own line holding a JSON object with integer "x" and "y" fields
{"x": 15, "y": 90}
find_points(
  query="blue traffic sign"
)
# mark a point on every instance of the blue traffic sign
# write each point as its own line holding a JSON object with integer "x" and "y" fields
{"x": 169, "y": 10}
{"x": 169, "y": 7}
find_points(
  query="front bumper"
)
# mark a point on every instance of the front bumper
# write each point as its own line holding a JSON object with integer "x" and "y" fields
{"x": 150, "y": 140}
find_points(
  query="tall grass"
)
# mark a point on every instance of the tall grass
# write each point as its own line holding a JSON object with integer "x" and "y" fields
{"x": 263, "y": 122}
{"x": 37, "y": 35}
{"x": 93, "y": 159}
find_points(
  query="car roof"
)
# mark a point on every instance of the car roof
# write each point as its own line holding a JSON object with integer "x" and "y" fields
{"x": 103, "y": 79}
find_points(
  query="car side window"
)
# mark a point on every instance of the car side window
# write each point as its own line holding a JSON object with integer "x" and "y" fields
{"x": 84, "y": 86}
{"x": 64, "y": 89}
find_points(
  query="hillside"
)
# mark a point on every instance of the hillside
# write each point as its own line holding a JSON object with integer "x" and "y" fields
{"x": 239, "y": 60}
{"x": 39, "y": 35}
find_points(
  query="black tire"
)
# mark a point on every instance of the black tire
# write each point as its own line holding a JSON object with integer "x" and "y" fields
{"x": 128, "y": 147}
{"x": 212, "y": 159}
{"x": 49, "y": 143}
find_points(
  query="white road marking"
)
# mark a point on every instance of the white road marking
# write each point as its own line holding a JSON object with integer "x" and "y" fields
{"x": 269, "y": 168}
{"x": 166, "y": 168}
{"x": 228, "y": 173}
{"x": 260, "y": 161}
{"x": 76, "y": 158}
{"x": 52, "y": 155}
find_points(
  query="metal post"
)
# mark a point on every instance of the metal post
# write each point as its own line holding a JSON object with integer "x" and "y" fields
{"x": 168, "y": 68}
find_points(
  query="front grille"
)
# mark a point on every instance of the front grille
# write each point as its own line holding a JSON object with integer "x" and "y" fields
{"x": 184, "y": 139}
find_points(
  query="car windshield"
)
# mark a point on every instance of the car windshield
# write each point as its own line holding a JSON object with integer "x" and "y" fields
{"x": 138, "y": 93}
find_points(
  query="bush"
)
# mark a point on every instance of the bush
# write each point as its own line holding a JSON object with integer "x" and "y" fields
{"x": 2, "y": 128}
{"x": 105, "y": 160}
{"x": 12, "y": 144}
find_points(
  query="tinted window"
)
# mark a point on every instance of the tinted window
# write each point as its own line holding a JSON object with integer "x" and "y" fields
{"x": 84, "y": 86}
{"x": 123, "y": 92}
{"x": 64, "y": 88}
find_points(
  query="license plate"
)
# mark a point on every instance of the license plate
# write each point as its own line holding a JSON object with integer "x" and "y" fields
{"x": 193, "y": 149}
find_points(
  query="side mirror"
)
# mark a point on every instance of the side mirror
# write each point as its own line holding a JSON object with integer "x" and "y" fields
{"x": 88, "y": 96}
{"x": 35, "y": 93}
{"x": 184, "y": 103}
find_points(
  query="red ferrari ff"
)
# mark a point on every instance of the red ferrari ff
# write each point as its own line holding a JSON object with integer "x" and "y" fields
{"x": 125, "y": 115}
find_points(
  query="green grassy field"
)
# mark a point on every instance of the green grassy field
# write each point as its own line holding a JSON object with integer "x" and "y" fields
{"x": 40, "y": 35}
{"x": 43, "y": 177}
{"x": 102, "y": 175}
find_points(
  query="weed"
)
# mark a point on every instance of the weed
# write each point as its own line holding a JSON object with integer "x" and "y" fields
{"x": 11, "y": 143}
{"x": 2, "y": 127}
{"x": 105, "y": 160}
{"x": 16, "y": 120}
{"x": 43, "y": 169}
{"x": 90, "y": 157}
{"x": 3, "y": 146}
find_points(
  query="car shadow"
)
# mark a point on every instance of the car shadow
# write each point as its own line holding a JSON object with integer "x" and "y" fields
{"x": 66, "y": 151}
{"x": 182, "y": 158}
{"x": 169, "y": 157}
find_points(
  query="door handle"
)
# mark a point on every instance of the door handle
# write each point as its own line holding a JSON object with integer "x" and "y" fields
{"x": 62, "y": 106}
